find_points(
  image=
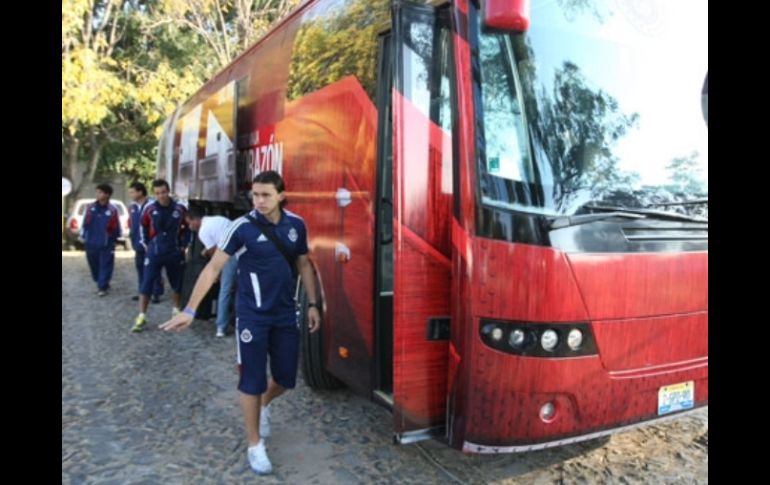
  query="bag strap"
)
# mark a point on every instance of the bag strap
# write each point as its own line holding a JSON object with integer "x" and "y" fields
{"x": 270, "y": 234}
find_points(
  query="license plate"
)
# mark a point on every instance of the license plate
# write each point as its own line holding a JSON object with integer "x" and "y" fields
{"x": 676, "y": 397}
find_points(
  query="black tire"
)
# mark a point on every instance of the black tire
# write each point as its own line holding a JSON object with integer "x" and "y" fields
{"x": 311, "y": 351}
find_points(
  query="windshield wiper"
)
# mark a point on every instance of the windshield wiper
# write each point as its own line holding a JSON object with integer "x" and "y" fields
{"x": 574, "y": 220}
{"x": 657, "y": 214}
{"x": 682, "y": 202}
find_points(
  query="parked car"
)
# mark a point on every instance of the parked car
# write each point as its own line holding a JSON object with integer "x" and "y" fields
{"x": 75, "y": 223}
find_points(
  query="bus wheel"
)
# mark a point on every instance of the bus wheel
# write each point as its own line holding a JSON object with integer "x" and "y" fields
{"x": 311, "y": 350}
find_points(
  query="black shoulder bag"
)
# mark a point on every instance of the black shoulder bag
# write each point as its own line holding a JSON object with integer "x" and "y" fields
{"x": 270, "y": 234}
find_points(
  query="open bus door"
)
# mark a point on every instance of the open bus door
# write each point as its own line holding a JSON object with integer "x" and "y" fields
{"x": 421, "y": 211}
{"x": 195, "y": 262}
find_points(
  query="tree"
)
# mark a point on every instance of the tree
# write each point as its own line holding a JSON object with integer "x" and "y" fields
{"x": 686, "y": 186}
{"x": 582, "y": 126}
{"x": 227, "y": 27}
{"x": 117, "y": 86}
{"x": 684, "y": 173}
{"x": 337, "y": 44}
{"x": 575, "y": 129}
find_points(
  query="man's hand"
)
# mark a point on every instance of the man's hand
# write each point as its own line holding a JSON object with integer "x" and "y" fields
{"x": 179, "y": 322}
{"x": 313, "y": 319}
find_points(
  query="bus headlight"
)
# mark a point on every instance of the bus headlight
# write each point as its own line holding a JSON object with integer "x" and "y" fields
{"x": 552, "y": 340}
{"x": 574, "y": 339}
{"x": 492, "y": 331}
{"x": 517, "y": 338}
{"x": 549, "y": 340}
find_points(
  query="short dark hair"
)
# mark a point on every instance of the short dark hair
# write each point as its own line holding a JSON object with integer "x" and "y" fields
{"x": 195, "y": 212}
{"x": 106, "y": 188}
{"x": 139, "y": 187}
{"x": 270, "y": 177}
{"x": 160, "y": 183}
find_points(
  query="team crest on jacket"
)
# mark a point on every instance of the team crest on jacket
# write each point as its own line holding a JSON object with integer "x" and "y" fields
{"x": 175, "y": 214}
{"x": 293, "y": 235}
{"x": 245, "y": 336}
{"x": 107, "y": 212}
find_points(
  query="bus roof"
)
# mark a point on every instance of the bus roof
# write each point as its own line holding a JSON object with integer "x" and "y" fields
{"x": 225, "y": 75}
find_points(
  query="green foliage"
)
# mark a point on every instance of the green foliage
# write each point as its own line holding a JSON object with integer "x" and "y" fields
{"x": 341, "y": 42}
{"x": 684, "y": 173}
{"x": 127, "y": 64}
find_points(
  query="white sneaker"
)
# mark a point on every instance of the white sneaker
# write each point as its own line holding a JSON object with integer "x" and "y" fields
{"x": 264, "y": 422}
{"x": 220, "y": 332}
{"x": 258, "y": 459}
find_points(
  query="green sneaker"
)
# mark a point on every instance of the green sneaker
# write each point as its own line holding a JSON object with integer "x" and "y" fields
{"x": 139, "y": 324}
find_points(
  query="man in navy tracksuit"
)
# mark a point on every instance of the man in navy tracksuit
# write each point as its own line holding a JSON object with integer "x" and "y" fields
{"x": 101, "y": 229}
{"x": 265, "y": 308}
{"x": 165, "y": 235}
{"x": 138, "y": 193}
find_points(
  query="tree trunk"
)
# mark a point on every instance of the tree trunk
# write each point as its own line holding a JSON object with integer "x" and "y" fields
{"x": 70, "y": 160}
{"x": 73, "y": 152}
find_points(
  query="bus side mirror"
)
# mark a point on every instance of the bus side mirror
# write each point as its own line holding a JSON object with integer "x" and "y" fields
{"x": 507, "y": 15}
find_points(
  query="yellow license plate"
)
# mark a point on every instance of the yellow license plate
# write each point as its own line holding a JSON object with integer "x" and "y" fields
{"x": 676, "y": 397}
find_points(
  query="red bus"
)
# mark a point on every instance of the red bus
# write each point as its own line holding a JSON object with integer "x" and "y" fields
{"x": 506, "y": 204}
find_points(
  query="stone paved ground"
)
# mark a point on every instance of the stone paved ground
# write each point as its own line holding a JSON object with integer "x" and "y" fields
{"x": 159, "y": 408}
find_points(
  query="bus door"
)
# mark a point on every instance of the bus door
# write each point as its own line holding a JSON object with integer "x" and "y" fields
{"x": 383, "y": 298}
{"x": 421, "y": 210}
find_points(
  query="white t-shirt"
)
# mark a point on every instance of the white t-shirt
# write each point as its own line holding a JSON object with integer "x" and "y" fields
{"x": 212, "y": 229}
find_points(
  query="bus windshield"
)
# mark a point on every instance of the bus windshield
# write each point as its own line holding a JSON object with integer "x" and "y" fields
{"x": 599, "y": 103}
